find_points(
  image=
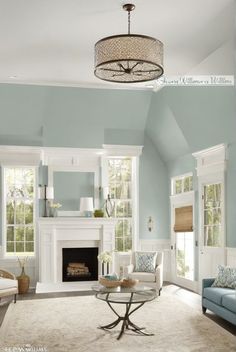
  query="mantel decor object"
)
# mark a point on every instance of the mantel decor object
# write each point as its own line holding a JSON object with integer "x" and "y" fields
{"x": 46, "y": 193}
{"x": 54, "y": 208}
{"x": 23, "y": 279}
{"x": 128, "y": 58}
{"x": 86, "y": 206}
{"x": 109, "y": 205}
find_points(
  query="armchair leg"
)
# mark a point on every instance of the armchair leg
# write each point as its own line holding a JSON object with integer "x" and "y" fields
{"x": 160, "y": 291}
{"x": 15, "y": 298}
{"x": 204, "y": 310}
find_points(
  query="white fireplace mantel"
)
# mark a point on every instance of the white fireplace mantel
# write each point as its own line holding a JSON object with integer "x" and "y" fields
{"x": 71, "y": 232}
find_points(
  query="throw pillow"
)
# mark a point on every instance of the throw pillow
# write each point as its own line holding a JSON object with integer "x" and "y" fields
{"x": 145, "y": 261}
{"x": 226, "y": 277}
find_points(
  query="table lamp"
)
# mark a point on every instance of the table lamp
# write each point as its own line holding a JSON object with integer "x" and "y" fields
{"x": 86, "y": 206}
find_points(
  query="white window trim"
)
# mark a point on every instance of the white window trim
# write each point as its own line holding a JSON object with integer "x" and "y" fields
{"x": 179, "y": 177}
{"x": 211, "y": 168}
{"x": 135, "y": 193}
{"x": 4, "y": 225}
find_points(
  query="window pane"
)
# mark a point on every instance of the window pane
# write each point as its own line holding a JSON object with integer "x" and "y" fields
{"x": 29, "y": 246}
{"x": 10, "y": 247}
{"x": 10, "y": 233}
{"x": 19, "y": 233}
{"x": 10, "y": 212}
{"x": 127, "y": 243}
{"x": 29, "y": 191}
{"x": 186, "y": 184}
{"x": 127, "y": 228}
{"x": 19, "y": 246}
{"x": 216, "y": 216}
{"x": 28, "y": 176}
{"x": 28, "y": 212}
{"x": 191, "y": 183}
{"x": 119, "y": 244}
{"x": 178, "y": 186}
{"x": 29, "y": 234}
{"x": 208, "y": 219}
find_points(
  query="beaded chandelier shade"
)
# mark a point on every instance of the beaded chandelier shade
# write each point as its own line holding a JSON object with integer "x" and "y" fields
{"x": 128, "y": 58}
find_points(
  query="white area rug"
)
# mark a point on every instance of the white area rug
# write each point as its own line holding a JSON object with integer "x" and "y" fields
{"x": 71, "y": 324}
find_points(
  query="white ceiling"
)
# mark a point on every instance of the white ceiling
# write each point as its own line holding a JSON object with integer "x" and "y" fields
{"x": 51, "y": 42}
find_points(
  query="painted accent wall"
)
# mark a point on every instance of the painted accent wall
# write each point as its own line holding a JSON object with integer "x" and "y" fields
{"x": 206, "y": 116}
{"x": 87, "y": 118}
{"x": 153, "y": 196}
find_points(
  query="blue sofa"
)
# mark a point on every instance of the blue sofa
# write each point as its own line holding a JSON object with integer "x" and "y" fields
{"x": 221, "y": 301}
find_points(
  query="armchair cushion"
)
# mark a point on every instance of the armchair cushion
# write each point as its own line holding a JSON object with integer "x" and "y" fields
{"x": 8, "y": 284}
{"x": 145, "y": 262}
{"x": 143, "y": 276}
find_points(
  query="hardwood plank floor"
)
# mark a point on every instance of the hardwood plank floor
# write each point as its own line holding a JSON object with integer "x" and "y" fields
{"x": 188, "y": 297}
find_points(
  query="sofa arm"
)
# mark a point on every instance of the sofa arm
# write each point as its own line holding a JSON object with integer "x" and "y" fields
{"x": 207, "y": 283}
{"x": 159, "y": 277}
{"x": 128, "y": 270}
{"x": 7, "y": 274}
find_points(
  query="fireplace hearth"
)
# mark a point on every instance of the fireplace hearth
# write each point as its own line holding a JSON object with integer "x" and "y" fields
{"x": 79, "y": 264}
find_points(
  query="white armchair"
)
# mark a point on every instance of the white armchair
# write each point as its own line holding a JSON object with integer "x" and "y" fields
{"x": 154, "y": 279}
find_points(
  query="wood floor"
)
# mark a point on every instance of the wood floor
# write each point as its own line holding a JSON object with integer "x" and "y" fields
{"x": 188, "y": 297}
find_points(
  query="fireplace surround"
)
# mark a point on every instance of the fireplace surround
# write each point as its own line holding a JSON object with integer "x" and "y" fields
{"x": 75, "y": 232}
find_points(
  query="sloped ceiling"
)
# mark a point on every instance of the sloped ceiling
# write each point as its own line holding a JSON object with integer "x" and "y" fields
{"x": 183, "y": 120}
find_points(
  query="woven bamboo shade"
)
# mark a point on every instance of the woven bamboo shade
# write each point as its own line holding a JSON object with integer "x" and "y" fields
{"x": 183, "y": 219}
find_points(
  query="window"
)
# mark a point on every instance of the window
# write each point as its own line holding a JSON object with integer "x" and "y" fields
{"x": 212, "y": 215}
{"x": 120, "y": 190}
{"x": 182, "y": 184}
{"x": 19, "y": 206}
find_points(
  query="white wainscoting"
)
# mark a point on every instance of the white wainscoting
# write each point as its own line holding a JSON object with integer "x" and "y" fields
{"x": 159, "y": 245}
{"x": 231, "y": 256}
{"x": 123, "y": 259}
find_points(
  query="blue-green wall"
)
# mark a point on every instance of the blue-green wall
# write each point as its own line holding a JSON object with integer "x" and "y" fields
{"x": 75, "y": 117}
{"x": 206, "y": 116}
{"x": 171, "y": 124}
{"x": 154, "y": 199}
{"x": 70, "y": 186}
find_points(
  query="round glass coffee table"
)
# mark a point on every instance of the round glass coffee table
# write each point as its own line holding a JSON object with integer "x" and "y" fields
{"x": 133, "y": 298}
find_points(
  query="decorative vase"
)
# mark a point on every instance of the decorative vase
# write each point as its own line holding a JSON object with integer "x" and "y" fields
{"x": 53, "y": 212}
{"x": 23, "y": 282}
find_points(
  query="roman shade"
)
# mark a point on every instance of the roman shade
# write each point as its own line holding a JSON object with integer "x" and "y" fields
{"x": 184, "y": 219}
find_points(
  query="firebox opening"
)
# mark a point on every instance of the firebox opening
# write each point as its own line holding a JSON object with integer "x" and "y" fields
{"x": 80, "y": 264}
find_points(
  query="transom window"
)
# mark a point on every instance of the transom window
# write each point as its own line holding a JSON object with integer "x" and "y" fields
{"x": 19, "y": 204}
{"x": 120, "y": 190}
{"x": 182, "y": 184}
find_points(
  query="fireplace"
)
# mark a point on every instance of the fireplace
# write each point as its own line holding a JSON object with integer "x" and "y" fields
{"x": 79, "y": 264}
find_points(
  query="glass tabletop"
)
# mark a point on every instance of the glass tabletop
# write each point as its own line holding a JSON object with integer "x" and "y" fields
{"x": 119, "y": 289}
{"x": 136, "y": 294}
